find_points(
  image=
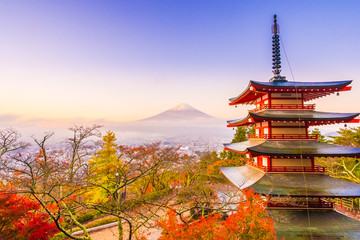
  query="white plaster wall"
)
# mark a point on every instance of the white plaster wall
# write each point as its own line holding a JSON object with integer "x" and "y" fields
{"x": 286, "y": 95}
{"x": 288, "y": 131}
{"x": 286, "y": 101}
{"x": 290, "y": 162}
{"x": 287, "y": 124}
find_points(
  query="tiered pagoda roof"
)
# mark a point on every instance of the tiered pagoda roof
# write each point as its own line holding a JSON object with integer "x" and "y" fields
{"x": 310, "y": 90}
{"x": 290, "y": 184}
{"x": 324, "y": 224}
{"x": 294, "y": 148}
{"x": 312, "y": 117}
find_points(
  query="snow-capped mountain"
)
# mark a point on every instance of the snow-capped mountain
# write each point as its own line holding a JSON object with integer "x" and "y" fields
{"x": 181, "y": 112}
{"x": 182, "y": 107}
{"x": 181, "y": 120}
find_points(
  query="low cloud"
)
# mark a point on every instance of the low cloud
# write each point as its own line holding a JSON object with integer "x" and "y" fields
{"x": 125, "y": 131}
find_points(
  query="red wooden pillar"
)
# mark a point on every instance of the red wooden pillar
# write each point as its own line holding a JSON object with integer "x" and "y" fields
{"x": 269, "y": 100}
{"x": 312, "y": 163}
{"x": 269, "y": 163}
{"x": 302, "y": 100}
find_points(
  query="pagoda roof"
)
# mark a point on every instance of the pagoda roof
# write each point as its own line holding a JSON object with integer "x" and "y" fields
{"x": 290, "y": 184}
{"x": 242, "y": 147}
{"x": 316, "y": 118}
{"x": 301, "y": 85}
{"x": 319, "y": 224}
{"x": 293, "y": 148}
{"x": 311, "y": 90}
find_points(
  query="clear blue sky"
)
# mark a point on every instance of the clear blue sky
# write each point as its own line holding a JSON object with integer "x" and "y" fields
{"x": 127, "y": 60}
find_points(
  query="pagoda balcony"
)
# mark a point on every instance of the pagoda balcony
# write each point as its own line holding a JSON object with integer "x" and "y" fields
{"x": 284, "y": 136}
{"x": 320, "y": 204}
{"x": 284, "y": 106}
{"x": 293, "y": 169}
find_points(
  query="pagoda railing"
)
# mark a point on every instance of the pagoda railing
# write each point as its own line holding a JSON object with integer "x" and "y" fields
{"x": 284, "y": 136}
{"x": 295, "y": 169}
{"x": 263, "y": 168}
{"x": 320, "y": 204}
{"x": 279, "y": 169}
{"x": 284, "y": 106}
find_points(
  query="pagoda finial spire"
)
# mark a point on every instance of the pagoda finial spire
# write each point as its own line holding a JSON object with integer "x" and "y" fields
{"x": 276, "y": 48}
{"x": 276, "y": 60}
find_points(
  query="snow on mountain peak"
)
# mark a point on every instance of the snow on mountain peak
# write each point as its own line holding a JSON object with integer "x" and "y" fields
{"x": 182, "y": 107}
{"x": 181, "y": 112}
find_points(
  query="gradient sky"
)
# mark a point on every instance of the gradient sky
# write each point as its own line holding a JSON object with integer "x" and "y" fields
{"x": 127, "y": 60}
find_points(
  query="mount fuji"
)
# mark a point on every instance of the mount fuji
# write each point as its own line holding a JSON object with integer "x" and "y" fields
{"x": 180, "y": 121}
{"x": 181, "y": 112}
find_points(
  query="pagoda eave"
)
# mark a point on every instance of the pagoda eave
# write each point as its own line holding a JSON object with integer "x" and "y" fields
{"x": 312, "y": 117}
{"x": 255, "y": 153}
{"x": 326, "y": 224}
{"x": 238, "y": 152}
{"x": 247, "y": 97}
{"x": 294, "y": 148}
{"x": 241, "y": 147}
{"x": 311, "y": 90}
{"x": 309, "y": 122}
{"x": 289, "y": 184}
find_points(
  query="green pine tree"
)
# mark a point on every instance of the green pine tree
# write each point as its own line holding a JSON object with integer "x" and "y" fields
{"x": 321, "y": 138}
{"x": 240, "y": 135}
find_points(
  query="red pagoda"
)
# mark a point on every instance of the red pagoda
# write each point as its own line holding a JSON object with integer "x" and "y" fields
{"x": 280, "y": 155}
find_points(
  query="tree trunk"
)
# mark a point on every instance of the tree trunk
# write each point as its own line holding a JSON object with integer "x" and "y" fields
{"x": 73, "y": 219}
{"x": 120, "y": 228}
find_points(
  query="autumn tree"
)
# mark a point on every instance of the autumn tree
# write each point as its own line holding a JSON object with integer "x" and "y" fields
{"x": 250, "y": 221}
{"x": 189, "y": 170}
{"x": 108, "y": 179}
{"x": 115, "y": 175}
{"x": 198, "y": 177}
{"x": 10, "y": 141}
{"x": 54, "y": 177}
{"x": 345, "y": 168}
{"x": 348, "y": 137}
{"x": 21, "y": 218}
{"x": 211, "y": 162}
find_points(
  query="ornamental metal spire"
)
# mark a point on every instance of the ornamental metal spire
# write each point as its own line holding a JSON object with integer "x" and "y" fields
{"x": 276, "y": 48}
{"x": 276, "y": 60}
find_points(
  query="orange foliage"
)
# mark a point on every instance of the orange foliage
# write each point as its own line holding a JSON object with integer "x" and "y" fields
{"x": 20, "y": 218}
{"x": 248, "y": 222}
{"x": 214, "y": 168}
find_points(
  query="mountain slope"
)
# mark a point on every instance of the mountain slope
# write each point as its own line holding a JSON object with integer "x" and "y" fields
{"x": 181, "y": 112}
{"x": 180, "y": 121}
